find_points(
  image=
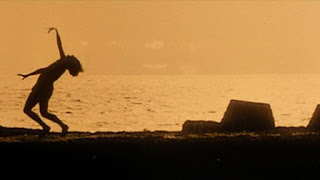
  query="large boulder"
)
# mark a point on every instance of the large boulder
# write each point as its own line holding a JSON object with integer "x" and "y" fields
{"x": 247, "y": 116}
{"x": 314, "y": 123}
{"x": 200, "y": 126}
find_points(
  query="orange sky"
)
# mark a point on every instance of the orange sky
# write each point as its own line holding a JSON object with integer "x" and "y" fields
{"x": 164, "y": 37}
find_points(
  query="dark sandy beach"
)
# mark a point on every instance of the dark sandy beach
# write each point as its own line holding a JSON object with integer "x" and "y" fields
{"x": 289, "y": 152}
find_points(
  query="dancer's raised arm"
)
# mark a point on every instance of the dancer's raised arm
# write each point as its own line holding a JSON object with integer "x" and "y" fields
{"x": 39, "y": 71}
{"x": 62, "y": 55}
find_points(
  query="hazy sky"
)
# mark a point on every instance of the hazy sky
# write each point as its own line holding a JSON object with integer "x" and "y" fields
{"x": 164, "y": 37}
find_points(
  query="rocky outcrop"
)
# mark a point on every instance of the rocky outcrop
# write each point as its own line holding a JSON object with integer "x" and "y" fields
{"x": 200, "y": 126}
{"x": 314, "y": 123}
{"x": 247, "y": 116}
{"x": 6, "y": 131}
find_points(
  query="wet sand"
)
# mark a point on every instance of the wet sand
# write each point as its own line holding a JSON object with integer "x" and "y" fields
{"x": 286, "y": 152}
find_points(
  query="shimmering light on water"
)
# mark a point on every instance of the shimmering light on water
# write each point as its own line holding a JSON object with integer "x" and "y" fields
{"x": 135, "y": 103}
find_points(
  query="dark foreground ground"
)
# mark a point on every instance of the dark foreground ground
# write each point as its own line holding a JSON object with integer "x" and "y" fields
{"x": 285, "y": 152}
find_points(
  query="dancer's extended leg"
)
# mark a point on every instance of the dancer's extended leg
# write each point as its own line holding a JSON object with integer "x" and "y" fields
{"x": 31, "y": 102}
{"x": 44, "y": 112}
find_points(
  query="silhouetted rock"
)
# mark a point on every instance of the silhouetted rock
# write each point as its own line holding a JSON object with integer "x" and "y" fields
{"x": 247, "y": 116}
{"x": 314, "y": 123}
{"x": 200, "y": 126}
{"x": 5, "y": 131}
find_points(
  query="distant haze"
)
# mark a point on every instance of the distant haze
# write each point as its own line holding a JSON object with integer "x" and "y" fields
{"x": 163, "y": 37}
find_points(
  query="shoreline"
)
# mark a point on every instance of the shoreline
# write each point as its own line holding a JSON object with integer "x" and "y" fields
{"x": 25, "y": 135}
{"x": 293, "y": 151}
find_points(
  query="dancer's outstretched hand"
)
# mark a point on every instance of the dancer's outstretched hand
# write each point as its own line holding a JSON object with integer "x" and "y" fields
{"x": 24, "y": 76}
{"x": 51, "y": 29}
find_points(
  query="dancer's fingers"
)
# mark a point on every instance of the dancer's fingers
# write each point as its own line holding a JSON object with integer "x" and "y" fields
{"x": 24, "y": 76}
{"x": 51, "y": 28}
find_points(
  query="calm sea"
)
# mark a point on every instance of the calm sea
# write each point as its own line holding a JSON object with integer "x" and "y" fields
{"x": 136, "y": 103}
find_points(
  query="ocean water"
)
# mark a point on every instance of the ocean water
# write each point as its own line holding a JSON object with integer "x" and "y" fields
{"x": 136, "y": 103}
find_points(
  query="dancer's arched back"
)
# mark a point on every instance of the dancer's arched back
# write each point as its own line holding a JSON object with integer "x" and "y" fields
{"x": 42, "y": 90}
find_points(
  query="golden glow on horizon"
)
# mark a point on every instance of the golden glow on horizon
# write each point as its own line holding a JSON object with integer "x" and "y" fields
{"x": 179, "y": 37}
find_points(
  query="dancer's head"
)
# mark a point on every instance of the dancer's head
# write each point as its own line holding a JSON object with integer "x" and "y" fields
{"x": 73, "y": 65}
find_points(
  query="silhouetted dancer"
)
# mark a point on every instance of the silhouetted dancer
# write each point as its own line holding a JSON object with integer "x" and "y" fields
{"x": 42, "y": 90}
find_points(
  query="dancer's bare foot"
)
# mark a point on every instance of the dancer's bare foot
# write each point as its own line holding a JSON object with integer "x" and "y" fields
{"x": 64, "y": 130}
{"x": 45, "y": 131}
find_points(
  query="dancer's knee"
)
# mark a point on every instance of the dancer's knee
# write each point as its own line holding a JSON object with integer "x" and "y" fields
{"x": 26, "y": 110}
{"x": 46, "y": 114}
